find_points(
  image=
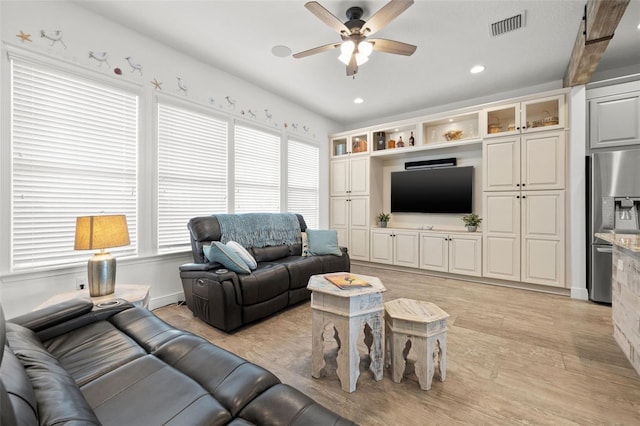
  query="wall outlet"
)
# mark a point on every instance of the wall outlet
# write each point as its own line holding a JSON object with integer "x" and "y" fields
{"x": 81, "y": 283}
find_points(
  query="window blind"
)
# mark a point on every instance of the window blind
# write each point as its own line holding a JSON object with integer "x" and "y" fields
{"x": 257, "y": 171}
{"x": 303, "y": 179}
{"x": 74, "y": 153}
{"x": 192, "y": 172}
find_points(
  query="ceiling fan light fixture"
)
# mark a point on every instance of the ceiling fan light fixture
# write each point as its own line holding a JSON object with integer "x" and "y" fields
{"x": 365, "y": 48}
{"x": 361, "y": 58}
{"x": 344, "y": 59}
{"x": 347, "y": 48}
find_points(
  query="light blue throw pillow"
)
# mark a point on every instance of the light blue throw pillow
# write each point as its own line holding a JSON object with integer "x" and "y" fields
{"x": 244, "y": 254}
{"x": 323, "y": 241}
{"x": 218, "y": 252}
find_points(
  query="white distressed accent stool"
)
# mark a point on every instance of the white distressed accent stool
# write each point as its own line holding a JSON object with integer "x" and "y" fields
{"x": 424, "y": 325}
{"x": 350, "y": 311}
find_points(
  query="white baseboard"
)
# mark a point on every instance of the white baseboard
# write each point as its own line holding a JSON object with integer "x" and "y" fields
{"x": 158, "y": 302}
{"x": 579, "y": 293}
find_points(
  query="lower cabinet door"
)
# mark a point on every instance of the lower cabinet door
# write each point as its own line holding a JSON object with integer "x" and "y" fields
{"x": 381, "y": 246}
{"x": 405, "y": 248}
{"x": 434, "y": 253}
{"x": 465, "y": 255}
{"x": 359, "y": 244}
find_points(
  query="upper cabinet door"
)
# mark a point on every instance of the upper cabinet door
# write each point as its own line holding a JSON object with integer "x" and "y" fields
{"x": 502, "y": 120}
{"x": 614, "y": 120}
{"x": 542, "y": 114}
{"x": 340, "y": 147}
{"x": 543, "y": 161}
{"x": 339, "y": 177}
{"x": 501, "y": 164}
{"x": 359, "y": 176}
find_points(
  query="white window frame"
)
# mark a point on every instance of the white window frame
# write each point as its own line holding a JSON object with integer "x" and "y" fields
{"x": 303, "y": 179}
{"x": 193, "y": 173}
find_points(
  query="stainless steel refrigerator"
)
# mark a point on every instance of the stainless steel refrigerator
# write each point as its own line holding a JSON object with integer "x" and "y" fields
{"x": 614, "y": 204}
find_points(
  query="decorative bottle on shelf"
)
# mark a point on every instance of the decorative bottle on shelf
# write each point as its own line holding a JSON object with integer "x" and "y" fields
{"x": 412, "y": 141}
{"x": 381, "y": 142}
{"x": 400, "y": 143}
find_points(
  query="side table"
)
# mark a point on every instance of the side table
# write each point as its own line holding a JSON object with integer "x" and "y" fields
{"x": 136, "y": 294}
{"x": 350, "y": 311}
{"x": 424, "y": 325}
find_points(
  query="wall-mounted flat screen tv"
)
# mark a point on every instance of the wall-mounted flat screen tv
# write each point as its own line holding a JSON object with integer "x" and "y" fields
{"x": 437, "y": 190}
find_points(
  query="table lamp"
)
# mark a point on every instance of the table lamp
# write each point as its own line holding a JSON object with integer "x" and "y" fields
{"x": 101, "y": 232}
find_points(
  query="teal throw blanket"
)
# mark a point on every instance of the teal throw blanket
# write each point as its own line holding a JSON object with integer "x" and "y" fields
{"x": 260, "y": 229}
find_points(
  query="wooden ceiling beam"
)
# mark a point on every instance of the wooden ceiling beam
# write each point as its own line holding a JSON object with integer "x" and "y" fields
{"x": 596, "y": 30}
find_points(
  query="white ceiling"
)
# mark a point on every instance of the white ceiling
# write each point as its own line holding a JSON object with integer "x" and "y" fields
{"x": 452, "y": 36}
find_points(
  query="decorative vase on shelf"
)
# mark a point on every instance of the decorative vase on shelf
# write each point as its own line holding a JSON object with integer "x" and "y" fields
{"x": 471, "y": 228}
{"x": 471, "y": 221}
{"x": 383, "y": 224}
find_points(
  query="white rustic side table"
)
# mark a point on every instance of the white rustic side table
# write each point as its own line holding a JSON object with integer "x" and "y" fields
{"x": 424, "y": 325}
{"x": 137, "y": 295}
{"x": 350, "y": 311}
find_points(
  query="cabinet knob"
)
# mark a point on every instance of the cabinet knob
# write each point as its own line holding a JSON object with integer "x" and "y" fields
{"x": 523, "y": 184}
{"x": 517, "y": 184}
{"x": 524, "y": 196}
{"x": 517, "y": 196}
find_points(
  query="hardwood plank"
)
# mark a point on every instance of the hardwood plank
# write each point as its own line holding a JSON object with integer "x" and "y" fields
{"x": 513, "y": 356}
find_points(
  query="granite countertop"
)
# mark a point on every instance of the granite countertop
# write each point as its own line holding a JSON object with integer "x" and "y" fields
{"x": 627, "y": 241}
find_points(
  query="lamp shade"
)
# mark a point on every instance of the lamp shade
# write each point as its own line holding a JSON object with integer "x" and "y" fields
{"x": 100, "y": 232}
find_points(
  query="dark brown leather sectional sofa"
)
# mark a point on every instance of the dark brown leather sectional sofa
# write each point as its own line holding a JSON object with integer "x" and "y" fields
{"x": 229, "y": 300}
{"x": 73, "y": 364}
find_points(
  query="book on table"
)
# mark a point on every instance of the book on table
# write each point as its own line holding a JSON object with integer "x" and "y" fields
{"x": 345, "y": 281}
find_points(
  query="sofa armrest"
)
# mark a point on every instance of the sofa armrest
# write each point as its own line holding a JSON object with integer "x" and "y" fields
{"x": 189, "y": 267}
{"x": 343, "y": 249}
{"x": 50, "y": 316}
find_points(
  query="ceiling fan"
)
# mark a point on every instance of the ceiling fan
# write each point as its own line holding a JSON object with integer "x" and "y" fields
{"x": 355, "y": 48}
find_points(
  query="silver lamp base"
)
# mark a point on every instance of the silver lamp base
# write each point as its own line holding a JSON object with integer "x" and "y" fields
{"x": 102, "y": 274}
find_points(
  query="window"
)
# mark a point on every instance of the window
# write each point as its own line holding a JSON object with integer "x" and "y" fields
{"x": 257, "y": 171}
{"x": 74, "y": 153}
{"x": 303, "y": 179}
{"x": 192, "y": 172}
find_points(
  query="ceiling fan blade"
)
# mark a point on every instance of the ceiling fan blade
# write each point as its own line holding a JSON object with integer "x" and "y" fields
{"x": 327, "y": 17}
{"x": 315, "y": 50}
{"x": 386, "y": 14}
{"x": 352, "y": 68}
{"x": 392, "y": 46}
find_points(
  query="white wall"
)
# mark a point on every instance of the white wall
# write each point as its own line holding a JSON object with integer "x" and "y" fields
{"x": 84, "y": 31}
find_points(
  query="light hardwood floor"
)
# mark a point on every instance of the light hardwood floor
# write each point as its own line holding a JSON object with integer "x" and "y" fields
{"x": 513, "y": 357}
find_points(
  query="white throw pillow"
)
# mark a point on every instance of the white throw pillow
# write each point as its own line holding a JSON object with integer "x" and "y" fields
{"x": 305, "y": 244}
{"x": 243, "y": 254}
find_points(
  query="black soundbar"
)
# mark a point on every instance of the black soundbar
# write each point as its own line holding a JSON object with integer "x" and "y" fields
{"x": 430, "y": 164}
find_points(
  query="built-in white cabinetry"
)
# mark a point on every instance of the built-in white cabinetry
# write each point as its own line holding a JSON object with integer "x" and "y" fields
{"x": 450, "y": 252}
{"x": 523, "y": 168}
{"x": 350, "y": 218}
{"x": 523, "y": 236}
{"x": 394, "y": 247}
{"x": 525, "y": 117}
{"x": 350, "y": 145}
{"x": 350, "y": 176}
{"x": 614, "y": 120}
{"x": 533, "y": 161}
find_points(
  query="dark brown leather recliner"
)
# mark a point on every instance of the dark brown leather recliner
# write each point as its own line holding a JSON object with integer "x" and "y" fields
{"x": 73, "y": 364}
{"x": 229, "y": 300}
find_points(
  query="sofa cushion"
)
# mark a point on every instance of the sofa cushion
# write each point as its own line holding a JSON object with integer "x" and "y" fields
{"x": 243, "y": 254}
{"x": 21, "y": 397}
{"x": 323, "y": 241}
{"x": 91, "y": 351}
{"x": 300, "y": 269}
{"x": 153, "y": 392}
{"x": 266, "y": 282}
{"x": 220, "y": 253}
{"x": 233, "y": 381}
{"x": 267, "y": 254}
{"x": 284, "y": 405}
{"x": 145, "y": 328}
{"x": 59, "y": 398}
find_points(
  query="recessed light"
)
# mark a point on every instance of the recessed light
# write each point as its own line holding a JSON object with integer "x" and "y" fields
{"x": 477, "y": 68}
{"x": 280, "y": 51}
{"x": 451, "y": 120}
{"x": 358, "y": 100}
{"x": 639, "y": 26}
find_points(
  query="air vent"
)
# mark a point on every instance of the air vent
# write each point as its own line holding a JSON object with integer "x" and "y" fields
{"x": 509, "y": 24}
